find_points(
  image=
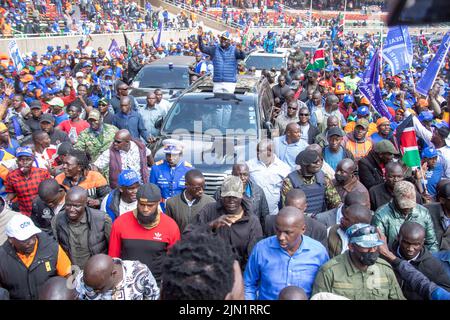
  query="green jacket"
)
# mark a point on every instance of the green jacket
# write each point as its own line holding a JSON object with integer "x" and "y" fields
{"x": 341, "y": 277}
{"x": 93, "y": 144}
{"x": 389, "y": 220}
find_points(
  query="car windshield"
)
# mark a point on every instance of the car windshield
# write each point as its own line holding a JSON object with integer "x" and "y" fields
{"x": 265, "y": 62}
{"x": 163, "y": 77}
{"x": 203, "y": 114}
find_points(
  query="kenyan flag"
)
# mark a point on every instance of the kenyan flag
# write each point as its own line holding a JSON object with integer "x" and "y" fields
{"x": 407, "y": 140}
{"x": 318, "y": 61}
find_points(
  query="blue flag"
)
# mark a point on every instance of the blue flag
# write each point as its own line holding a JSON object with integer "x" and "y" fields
{"x": 397, "y": 49}
{"x": 15, "y": 55}
{"x": 157, "y": 43}
{"x": 114, "y": 50}
{"x": 369, "y": 86}
{"x": 431, "y": 71}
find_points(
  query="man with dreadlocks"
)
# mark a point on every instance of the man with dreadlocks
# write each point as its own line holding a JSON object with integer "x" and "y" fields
{"x": 77, "y": 173}
{"x": 201, "y": 267}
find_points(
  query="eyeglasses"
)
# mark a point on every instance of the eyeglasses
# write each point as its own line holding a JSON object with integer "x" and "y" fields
{"x": 304, "y": 114}
{"x": 292, "y": 108}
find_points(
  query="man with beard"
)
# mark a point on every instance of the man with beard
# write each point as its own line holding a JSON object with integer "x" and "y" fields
{"x": 47, "y": 124}
{"x": 384, "y": 131}
{"x": 144, "y": 234}
{"x": 359, "y": 269}
{"x": 81, "y": 231}
{"x": 97, "y": 138}
{"x": 224, "y": 58}
{"x": 24, "y": 181}
{"x": 345, "y": 179}
{"x": 320, "y": 193}
{"x": 230, "y": 218}
{"x": 122, "y": 199}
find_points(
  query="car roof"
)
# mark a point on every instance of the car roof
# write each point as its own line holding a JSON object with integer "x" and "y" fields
{"x": 244, "y": 84}
{"x": 175, "y": 60}
{"x": 262, "y": 53}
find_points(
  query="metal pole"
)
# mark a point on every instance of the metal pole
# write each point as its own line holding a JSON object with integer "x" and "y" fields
{"x": 310, "y": 14}
{"x": 345, "y": 10}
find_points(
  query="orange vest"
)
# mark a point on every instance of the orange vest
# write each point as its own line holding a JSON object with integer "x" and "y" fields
{"x": 358, "y": 149}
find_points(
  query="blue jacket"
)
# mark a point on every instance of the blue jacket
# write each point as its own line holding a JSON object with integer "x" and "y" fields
{"x": 224, "y": 61}
{"x": 433, "y": 177}
{"x": 132, "y": 122}
{"x": 171, "y": 182}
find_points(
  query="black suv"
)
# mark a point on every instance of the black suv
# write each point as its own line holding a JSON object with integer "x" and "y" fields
{"x": 219, "y": 130}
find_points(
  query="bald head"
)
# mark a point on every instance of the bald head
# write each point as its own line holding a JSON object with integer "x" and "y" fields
{"x": 332, "y": 121}
{"x": 293, "y": 126}
{"x": 123, "y": 134}
{"x": 356, "y": 197}
{"x": 57, "y": 288}
{"x": 125, "y": 104}
{"x": 292, "y": 293}
{"x": 412, "y": 230}
{"x": 359, "y": 214}
{"x": 347, "y": 165}
{"x": 296, "y": 198}
{"x": 291, "y": 216}
{"x": 77, "y": 193}
{"x": 98, "y": 271}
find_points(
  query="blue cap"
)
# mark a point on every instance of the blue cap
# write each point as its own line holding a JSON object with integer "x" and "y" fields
{"x": 108, "y": 73}
{"x": 363, "y": 111}
{"x": 87, "y": 64}
{"x": 426, "y": 116}
{"x": 50, "y": 80}
{"x": 24, "y": 152}
{"x": 64, "y": 51}
{"x": 11, "y": 69}
{"x": 348, "y": 99}
{"x": 50, "y": 48}
{"x": 363, "y": 235}
{"x": 225, "y": 35}
{"x": 127, "y": 178}
{"x": 34, "y": 54}
{"x": 429, "y": 152}
{"x": 440, "y": 124}
{"x": 440, "y": 294}
{"x": 329, "y": 68}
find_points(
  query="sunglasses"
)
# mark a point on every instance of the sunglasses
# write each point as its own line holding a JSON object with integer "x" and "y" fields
{"x": 304, "y": 114}
{"x": 118, "y": 141}
{"x": 292, "y": 108}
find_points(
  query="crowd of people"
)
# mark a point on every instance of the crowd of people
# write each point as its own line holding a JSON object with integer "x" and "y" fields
{"x": 326, "y": 209}
{"x": 86, "y": 17}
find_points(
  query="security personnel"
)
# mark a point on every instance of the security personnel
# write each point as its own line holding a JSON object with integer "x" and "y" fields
{"x": 169, "y": 174}
{"x": 359, "y": 273}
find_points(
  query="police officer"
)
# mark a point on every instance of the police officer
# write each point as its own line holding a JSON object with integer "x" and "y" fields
{"x": 169, "y": 174}
{"x": 358, "y": 273}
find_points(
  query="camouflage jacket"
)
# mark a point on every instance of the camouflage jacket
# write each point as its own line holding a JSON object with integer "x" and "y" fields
{"x": 94, "y": 144}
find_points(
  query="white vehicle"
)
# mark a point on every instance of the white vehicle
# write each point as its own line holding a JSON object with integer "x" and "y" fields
{"x": 261, "y": 59}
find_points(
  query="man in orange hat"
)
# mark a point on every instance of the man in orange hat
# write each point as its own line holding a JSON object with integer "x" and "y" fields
{"x": 384, "y": 132}
{"x": 357, "y": 141}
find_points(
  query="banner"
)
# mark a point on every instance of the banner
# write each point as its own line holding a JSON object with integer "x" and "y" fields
{"x": 430, "y": 73}
{"x": 158, "y": 37}
{"x": 15, "y": 56}
{"x": 397, "y": 49}
{"x": 369, "y": 86}
{"x": 114, "y": 50}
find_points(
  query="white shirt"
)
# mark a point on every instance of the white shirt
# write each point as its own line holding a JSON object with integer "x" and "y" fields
{"x": 270, "y": 179}
{"x": 164, "y": 106}
{"x": 130, "y": 159}
{"x": 124, "y": 207}
{"x": 444, "y": 154}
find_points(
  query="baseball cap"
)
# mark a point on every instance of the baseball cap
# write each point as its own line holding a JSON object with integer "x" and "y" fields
{"x": 363, "y": 111}
{"x": 425, "y": 116}
{"x": 24, "y": 152}
{"x": 348, "y": 99}
{"x": 47, "y": 117}
{"x": 306, "y": 157}
{"x": 364, "y": 101}
{"x": 225, "y": 35}
{"x": 94, "y": 114}
{"x": 128, "y": 178}
{"x": 363, "y": 235}
{"x": 382, "y": 120}
{"x": 405, "y": 194}
{"x": 56, "y": 102}
{"x": 103, "y": 101}
{"x": 363, "y": 123}
{"x": 385, "y": 146}
{"x": 79, "y": 74}
{"x": 232, "y": 186}
{"x": 148, "y": 192}
{"x": 36, "y": 104}
{"x": 172, "y": 146}
{"x": 429, "y": 152}
{"x": 21, "y": 227}
{"x": 335, "y": 131}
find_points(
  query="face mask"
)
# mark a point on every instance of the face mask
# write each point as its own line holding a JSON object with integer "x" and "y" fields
{"x": 146, "y": 220}
{"x": 340, "y": 178}
{"x": 368, "y": 258}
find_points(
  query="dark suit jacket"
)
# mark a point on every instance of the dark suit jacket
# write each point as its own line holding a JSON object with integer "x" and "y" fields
{"x": 442, "y": 236}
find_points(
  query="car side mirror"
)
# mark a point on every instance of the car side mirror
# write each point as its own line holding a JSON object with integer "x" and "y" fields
{"x": 158, "y": 123}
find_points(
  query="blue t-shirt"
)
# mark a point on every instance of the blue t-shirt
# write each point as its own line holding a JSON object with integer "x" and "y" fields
{"x": 433, "y": 177}
{"x": 333, "y": 158}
